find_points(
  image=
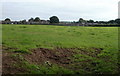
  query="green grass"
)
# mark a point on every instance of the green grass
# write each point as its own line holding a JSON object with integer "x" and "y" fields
{"x": 25, "y": 37}
{"x": 47, "y": 36}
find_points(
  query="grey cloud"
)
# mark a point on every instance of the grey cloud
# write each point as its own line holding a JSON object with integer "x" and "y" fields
{"x": 65, "y": 9}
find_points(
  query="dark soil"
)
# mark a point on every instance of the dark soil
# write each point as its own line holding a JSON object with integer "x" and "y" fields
{"x": 8, "y": 64}
{"x": 60, "y": 56}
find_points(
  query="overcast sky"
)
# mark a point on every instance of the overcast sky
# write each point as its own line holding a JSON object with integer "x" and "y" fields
{"x": 66, "y": 10}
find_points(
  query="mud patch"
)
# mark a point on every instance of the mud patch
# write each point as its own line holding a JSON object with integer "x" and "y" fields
{"x": 93, "y": 52}
{"x": 60, "y": 56}
{"x": 8, "y": 62}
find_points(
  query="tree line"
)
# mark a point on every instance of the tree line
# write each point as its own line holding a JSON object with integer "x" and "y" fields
{"x": 116, "y": 21}
{"x": 55, "y": 20}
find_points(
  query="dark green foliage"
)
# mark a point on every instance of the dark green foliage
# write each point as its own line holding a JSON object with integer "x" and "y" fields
{"x": 23, "y": 21}
{"x": 81, "y": 20}
{"x": 111, "y": 21}
{"x": 117, "y": 21}
{"x": 90, "y": 21}
{"x": 37, "y": 19}
{"x": 7, "y": 19}
{"x": 54, "y": 19}
{"x": 31, "y": 20}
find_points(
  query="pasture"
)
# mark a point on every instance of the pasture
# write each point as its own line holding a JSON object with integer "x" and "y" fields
{"x": 50, "y": 49}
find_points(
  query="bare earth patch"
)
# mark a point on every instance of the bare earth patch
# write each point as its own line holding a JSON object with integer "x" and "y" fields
{"x": 8, "y": 64}
{"x": 60, "y": 56}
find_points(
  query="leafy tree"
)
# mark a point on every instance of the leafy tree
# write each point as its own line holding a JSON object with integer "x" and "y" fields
{"x": 37, "y": 19}
{"x": 54, "y": 19}
{"x": 111, "y": 21}
{"x": 96, "y": 21}
{"x": 7, "y": 19}
{"x": 117, "y": 21}
{"x": 90, "y": 21}
{"x": 31, "y": 20}
{"x": 102, "y": 22}
{"x": 23, "y": 21}
{"x": 81, "y": 20}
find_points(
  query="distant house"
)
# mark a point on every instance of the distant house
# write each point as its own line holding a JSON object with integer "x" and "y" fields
{"x": 25, "y": 22}
{"x": 6, "y": 22}
{"x": 38, "y": 23}
{"x": 45, "y": 22}
{"x": 33, "y": 23}
{"x": 16, "y": 22}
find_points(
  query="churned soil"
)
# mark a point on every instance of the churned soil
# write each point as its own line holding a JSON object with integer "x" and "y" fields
{"x": 59, "y": 56}
{"x": 8, "y": 64}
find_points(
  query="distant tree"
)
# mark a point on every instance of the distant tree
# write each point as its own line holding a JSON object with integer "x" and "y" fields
{"x": 31, "y": 20}
{"x": 81, "y": 20}
{"x": 96, "y": 21}
{"x": 90, "y": 21}
{"x": 74, "y": 22}
{"x": 37, "y": 19}
{"x": 23, "y": 21}
{"x": 54, "y": 19}
{"x": 102, "y": 22}
{"x": 48, "y": 20}
{"x": 7, "y": 19}
{"x": 117, "y": 21}
{"x": 111, "y": 21}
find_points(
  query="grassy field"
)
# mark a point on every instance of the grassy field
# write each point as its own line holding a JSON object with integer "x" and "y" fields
{"x": 95, "y": 48}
